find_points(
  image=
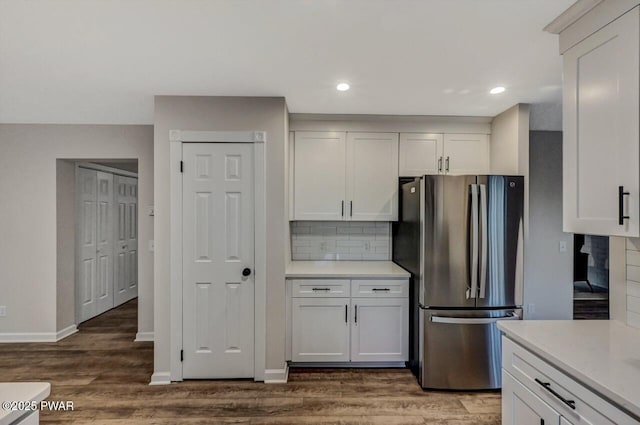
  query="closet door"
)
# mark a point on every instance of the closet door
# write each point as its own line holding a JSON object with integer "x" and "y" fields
{"x": 126, "y": 239}
{"x": 86, "y": 189}
{"x": 104, "y": 240}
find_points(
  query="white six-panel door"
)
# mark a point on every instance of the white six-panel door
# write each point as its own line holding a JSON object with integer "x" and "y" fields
{"x": 218, "y": 244}
{"x": 86, "y": 191}
{"x": 104, "y": 240}
{"x": 126, "y": 239}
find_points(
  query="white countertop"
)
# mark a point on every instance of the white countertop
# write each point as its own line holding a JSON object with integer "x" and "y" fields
{"x": 21, "y": 391}
{"x": 337, "y": 269}
{"x": 603, "y": 355}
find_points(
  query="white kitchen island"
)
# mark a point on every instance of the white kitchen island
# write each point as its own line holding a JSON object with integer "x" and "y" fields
{"x": 570, "y": 372}
{"x": 22, "y": 392}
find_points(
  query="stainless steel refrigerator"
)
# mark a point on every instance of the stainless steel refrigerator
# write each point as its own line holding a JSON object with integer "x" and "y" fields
{"x": 461, "y": 238}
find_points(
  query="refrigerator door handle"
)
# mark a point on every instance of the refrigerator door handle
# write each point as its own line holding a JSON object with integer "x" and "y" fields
{"x": 485, "y": 236}
{"x": 472, "y": 320}
{"x": 472, "y": 292}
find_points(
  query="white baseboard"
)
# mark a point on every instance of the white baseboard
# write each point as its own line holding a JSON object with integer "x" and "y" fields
{"x": 160, "y": 378}
{"x": 277, "y": 376}
{"x": 144, "y": 337}
{"x": 69, "y": 330}
{"x": 22, "y": 337}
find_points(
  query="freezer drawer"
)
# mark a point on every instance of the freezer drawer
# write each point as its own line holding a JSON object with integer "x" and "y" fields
{"x": 461, "y": 350}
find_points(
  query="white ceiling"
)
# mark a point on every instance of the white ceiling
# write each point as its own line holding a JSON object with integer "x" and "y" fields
{"x": 101, "y": 61}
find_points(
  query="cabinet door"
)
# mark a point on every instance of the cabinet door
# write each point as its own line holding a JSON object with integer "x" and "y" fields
{"x": 380, "y": 329}
{"x": 466, "y": 154}
{"x": 522, "y": 407}
{"x": 319, "y": 175}
{"x": 601, "y": 148}
{"x": 320, "y": 329}
{"x": 420, "y": 154}
{"x": 372, "y": 176}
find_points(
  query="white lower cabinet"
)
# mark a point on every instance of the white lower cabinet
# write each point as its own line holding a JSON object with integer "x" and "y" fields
{"x": 534, "y": 392}
{"x": 379, "y": 330}
{"x": 370, "y": 324}
{"x": 522, "y": 407}
{"x": 320, "y": 331}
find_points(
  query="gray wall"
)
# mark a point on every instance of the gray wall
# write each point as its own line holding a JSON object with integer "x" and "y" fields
{"x": 223, "y": 114}
{"x": 548, "y": 272}
{"x": 65, "y": 244}
{"x": 28, "y": 183}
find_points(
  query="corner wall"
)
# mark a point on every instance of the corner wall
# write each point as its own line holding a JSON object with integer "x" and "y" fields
{"x": 28, "y": 183}
{"x": 548, "y": 272}
{"x": 222, "y": 114}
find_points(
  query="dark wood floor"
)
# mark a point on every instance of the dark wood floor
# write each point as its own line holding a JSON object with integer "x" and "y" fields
{"x": 106, "y": 375}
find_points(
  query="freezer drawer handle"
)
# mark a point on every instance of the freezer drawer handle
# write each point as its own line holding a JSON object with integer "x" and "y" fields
{"x": 472, "y": 320}
{"x": 547, "y": 386}
{"x": 381, "y": 289}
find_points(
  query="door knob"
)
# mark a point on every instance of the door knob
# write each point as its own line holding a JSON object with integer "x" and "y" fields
{"x": 246, "y": 272}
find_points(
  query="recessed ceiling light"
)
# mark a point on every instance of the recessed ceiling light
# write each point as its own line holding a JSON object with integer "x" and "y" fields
{"x": 497, "y": 90}
{"x": 343, "y": 87}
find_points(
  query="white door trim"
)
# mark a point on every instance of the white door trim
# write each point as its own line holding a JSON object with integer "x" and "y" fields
{"x": 176, "y": 138}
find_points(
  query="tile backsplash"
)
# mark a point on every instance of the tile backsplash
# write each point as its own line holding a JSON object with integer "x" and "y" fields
{"x": 633, "y": 282}
{"x": 340, "y": 240}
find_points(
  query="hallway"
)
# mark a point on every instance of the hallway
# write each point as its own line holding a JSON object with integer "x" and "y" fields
{"x": 106, "y": 375}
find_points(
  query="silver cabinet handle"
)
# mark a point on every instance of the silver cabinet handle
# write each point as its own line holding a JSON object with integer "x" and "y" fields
{"x": 321, "y": 289}
{"x": 381, "y": 289}
{"x": 440, "y": 165}
{"x": 446, "y": 167}
{"x": 356, "y": 315}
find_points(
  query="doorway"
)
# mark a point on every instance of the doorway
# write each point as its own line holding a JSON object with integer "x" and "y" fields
{"x": 590, "y": 277}
{"x": 106, "y": 273}
{"x": 218, "y": 260}
{"x": 218, "y": 256}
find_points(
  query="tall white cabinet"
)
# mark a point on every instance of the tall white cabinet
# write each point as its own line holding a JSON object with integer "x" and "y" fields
{"x": 601, "y": 149}
{"x": 345, "y": 176}
{"x": 106, "y": 241}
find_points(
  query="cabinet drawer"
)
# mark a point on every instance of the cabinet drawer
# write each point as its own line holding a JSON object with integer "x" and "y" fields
{"x": 321, "y": 288}
{"x": 573, "y": 400}
{"x": 387, "y": 288}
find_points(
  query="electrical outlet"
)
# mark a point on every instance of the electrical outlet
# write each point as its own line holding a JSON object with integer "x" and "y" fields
{"x": 150, "y": 210}
{"x": 152, "y": 246}
{"x": 323, "y": 246}
{"x": 531, "y": 308}
{"x": 562, "y": 246}
{"x": 367, "y": 246}
{"x": 3, "y": 311}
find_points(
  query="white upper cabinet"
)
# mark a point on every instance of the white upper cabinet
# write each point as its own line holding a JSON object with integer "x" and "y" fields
{"x": 345, "y": 176}
{"x": 601, "y": 138}
{"x": 372, "y": 176}
{"x": 319, "y": 175}
{"x": 466, "y": 154}
{"x": 423, "y": 153}
{"x": 420, "y": 154}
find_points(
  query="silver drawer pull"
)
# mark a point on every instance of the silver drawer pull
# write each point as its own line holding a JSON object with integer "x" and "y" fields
{"x": 547, "y": 386}
{"x": 381, "y": 289}
{"x": 321, "y": 289}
